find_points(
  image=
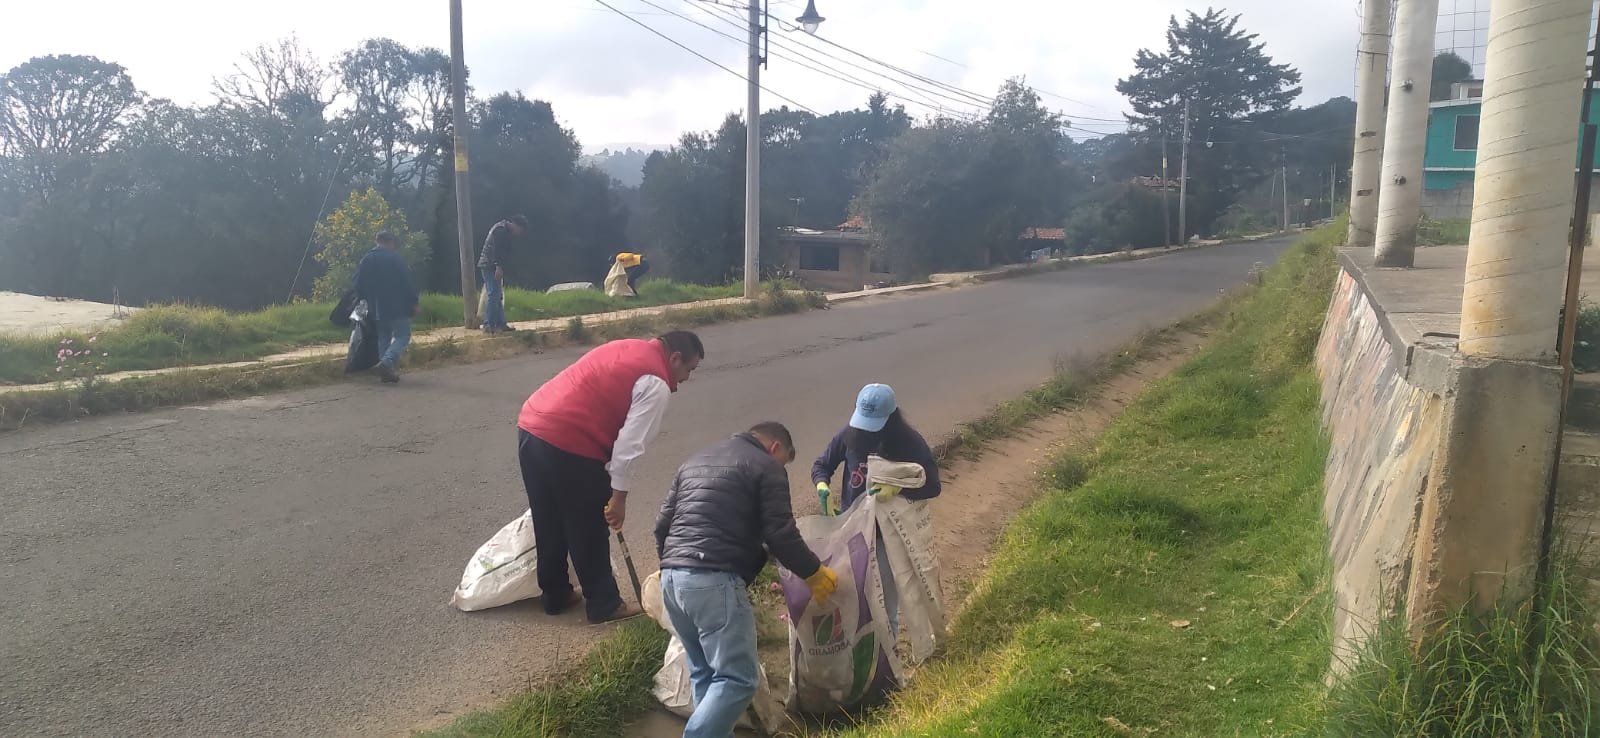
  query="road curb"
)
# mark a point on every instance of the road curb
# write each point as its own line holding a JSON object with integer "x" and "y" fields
{"x": 551, "y": 326}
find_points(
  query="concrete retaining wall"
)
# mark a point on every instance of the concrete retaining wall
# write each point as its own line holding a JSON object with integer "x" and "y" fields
{"x": 1384, "y": 432}
{"x": 1438, "y": 471}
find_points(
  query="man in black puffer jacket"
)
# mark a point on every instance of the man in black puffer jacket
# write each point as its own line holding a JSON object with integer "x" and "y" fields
{"x": 728, "y": 506}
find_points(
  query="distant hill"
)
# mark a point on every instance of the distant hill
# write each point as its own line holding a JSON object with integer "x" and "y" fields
{"x": 626, "y": 165}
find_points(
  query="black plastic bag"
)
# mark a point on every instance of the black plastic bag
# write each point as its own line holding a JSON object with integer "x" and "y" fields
{"x": 363, "y": 353}
{"x": 341, "y": 312}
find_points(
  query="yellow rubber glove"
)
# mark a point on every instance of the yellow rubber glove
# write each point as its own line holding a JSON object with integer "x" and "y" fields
{"x": 884, "y": 490}
{"x": 823, "y": 494}
{"x": 822, "y": 584}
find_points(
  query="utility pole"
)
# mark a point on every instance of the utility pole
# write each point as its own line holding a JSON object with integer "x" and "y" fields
{"x": 1333, "y": 189}
{"x": 1406, "y": 133}
{"x": 1283, "y": 161}
{"x": 1166, "y": 208}
{"x": 1183, "y": 180}
{"x": 1366, "y": 169}
{"x": 458, "y": 120}
{"x": 752, "y": 158}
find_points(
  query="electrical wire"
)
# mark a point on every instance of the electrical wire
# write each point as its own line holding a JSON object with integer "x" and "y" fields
{"x": 970, "y": 96}
{"x": 702, "y": 57}
{"x": 800, "y": 48}
{"x": 332, "y": 180}
{"x": 801, "y": 61}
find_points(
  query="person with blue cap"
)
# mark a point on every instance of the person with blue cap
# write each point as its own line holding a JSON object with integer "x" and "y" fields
{"x": 877, "y": 428}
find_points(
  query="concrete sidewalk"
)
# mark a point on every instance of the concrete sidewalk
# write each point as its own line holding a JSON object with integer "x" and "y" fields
{"x": 1425, "y": 301}
{"x": 337, "y": 351}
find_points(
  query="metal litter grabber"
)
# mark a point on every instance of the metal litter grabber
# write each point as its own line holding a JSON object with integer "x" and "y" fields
{"x": 627, "y": 558}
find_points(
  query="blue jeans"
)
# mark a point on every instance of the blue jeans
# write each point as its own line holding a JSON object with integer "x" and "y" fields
{"x": 494, "y": 301}
{"x": 711, "y": 612}
{"x": 393, "y": 337}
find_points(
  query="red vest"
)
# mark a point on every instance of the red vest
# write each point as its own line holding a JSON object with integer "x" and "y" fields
{"x": 582, "y": 409}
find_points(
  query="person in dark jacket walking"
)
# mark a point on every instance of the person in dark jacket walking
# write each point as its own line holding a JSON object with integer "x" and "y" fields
{"x": 384, "y": 281}
{"x": 494, "y": 276}
{"x": 727, "y": 508}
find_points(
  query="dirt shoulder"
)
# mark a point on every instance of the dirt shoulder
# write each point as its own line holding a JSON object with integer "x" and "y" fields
{"x": 984, "y": 490}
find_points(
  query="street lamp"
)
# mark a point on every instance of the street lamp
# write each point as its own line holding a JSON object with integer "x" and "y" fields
{"x": 809, "y": 21}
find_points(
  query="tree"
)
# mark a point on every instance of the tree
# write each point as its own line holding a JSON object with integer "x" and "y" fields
{"x": 626, "y": 166}
{"x": 691, "y": 204}
{"x": 1228, "y": 83}
{"x": 934, "y": 199}
{"x": 525, "y": 162}
{"x": 1026, "y": 159}
{"x": 218, "y": 204}
{"x": 273, "y": 78}
{"x": 63, "y": 105}
{"x": 349, "y": 232}
{"x": 400, "y": 107}
{"x": 1122, "y": 215}
{"x": 1448, "y": 69}
{"x": 812, "y": 167}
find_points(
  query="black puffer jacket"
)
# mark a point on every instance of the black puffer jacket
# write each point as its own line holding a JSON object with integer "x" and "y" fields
{"x": 725, "y": 503}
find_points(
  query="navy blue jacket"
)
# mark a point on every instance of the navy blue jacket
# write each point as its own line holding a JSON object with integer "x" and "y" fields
{"x": 911, "y": 448}
{"x": 384, "y": 281}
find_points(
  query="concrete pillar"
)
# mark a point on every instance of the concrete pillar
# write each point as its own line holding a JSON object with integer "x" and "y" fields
{"x": 1522, "y": 206}
{"x": 1372, "y": 62}
{"x": 1483, "y": 511}
{"x": 1481, "y": 524}
{"x": 1405, "y": 133}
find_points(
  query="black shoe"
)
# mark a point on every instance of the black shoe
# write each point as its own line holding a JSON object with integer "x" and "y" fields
{"x": 388, "y": 375}
{"x": 507, "y": 328}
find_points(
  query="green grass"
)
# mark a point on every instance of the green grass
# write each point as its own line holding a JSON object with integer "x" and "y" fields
{"x": 597, "y": 697}
{"x": 1528, "y": 671}
{"x": 1586, "y": 346}
{"x": 164, "y": 336}
{"x": 1175, "y": 579}
{"x": 1448, "y": 232}
{"x": 86, "y": 396}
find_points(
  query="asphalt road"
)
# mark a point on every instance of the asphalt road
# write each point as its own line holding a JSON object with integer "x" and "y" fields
{"x": 283, "y": 565}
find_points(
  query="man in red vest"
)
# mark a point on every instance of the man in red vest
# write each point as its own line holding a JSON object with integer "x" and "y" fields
{"x": 579, "y": 439}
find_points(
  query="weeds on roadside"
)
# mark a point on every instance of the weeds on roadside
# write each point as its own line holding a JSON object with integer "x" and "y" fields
{"x": 1446, "y": 232}
{"x": 1516, "y": 672}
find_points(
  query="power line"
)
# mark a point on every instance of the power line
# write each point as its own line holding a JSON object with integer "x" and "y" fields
{"x": 823, "y": 69}
{"x": 702, "y": 57}
{"x": 934, "y": 93}
{"x": 971, "y": 97}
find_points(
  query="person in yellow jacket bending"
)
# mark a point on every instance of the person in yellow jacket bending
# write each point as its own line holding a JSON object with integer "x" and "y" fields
{"x": 626, "y": 269}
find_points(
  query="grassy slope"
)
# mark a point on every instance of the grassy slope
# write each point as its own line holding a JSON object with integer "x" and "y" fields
{"x": 180, "y": 335}
{"x": 1175, "y": 580}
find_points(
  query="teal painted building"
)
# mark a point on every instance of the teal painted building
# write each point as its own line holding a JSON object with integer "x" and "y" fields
{"x": 1452, "y": 154}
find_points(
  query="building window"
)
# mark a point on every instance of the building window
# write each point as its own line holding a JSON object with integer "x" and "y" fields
{"x": 1467, "y": 133}
{"x": 819, "y": 258}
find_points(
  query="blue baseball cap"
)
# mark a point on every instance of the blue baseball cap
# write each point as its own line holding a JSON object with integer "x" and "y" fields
{"x": 873, "y": 407}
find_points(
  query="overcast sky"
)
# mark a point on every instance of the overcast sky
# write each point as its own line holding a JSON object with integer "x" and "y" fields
{"x": 615, "y": 82}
